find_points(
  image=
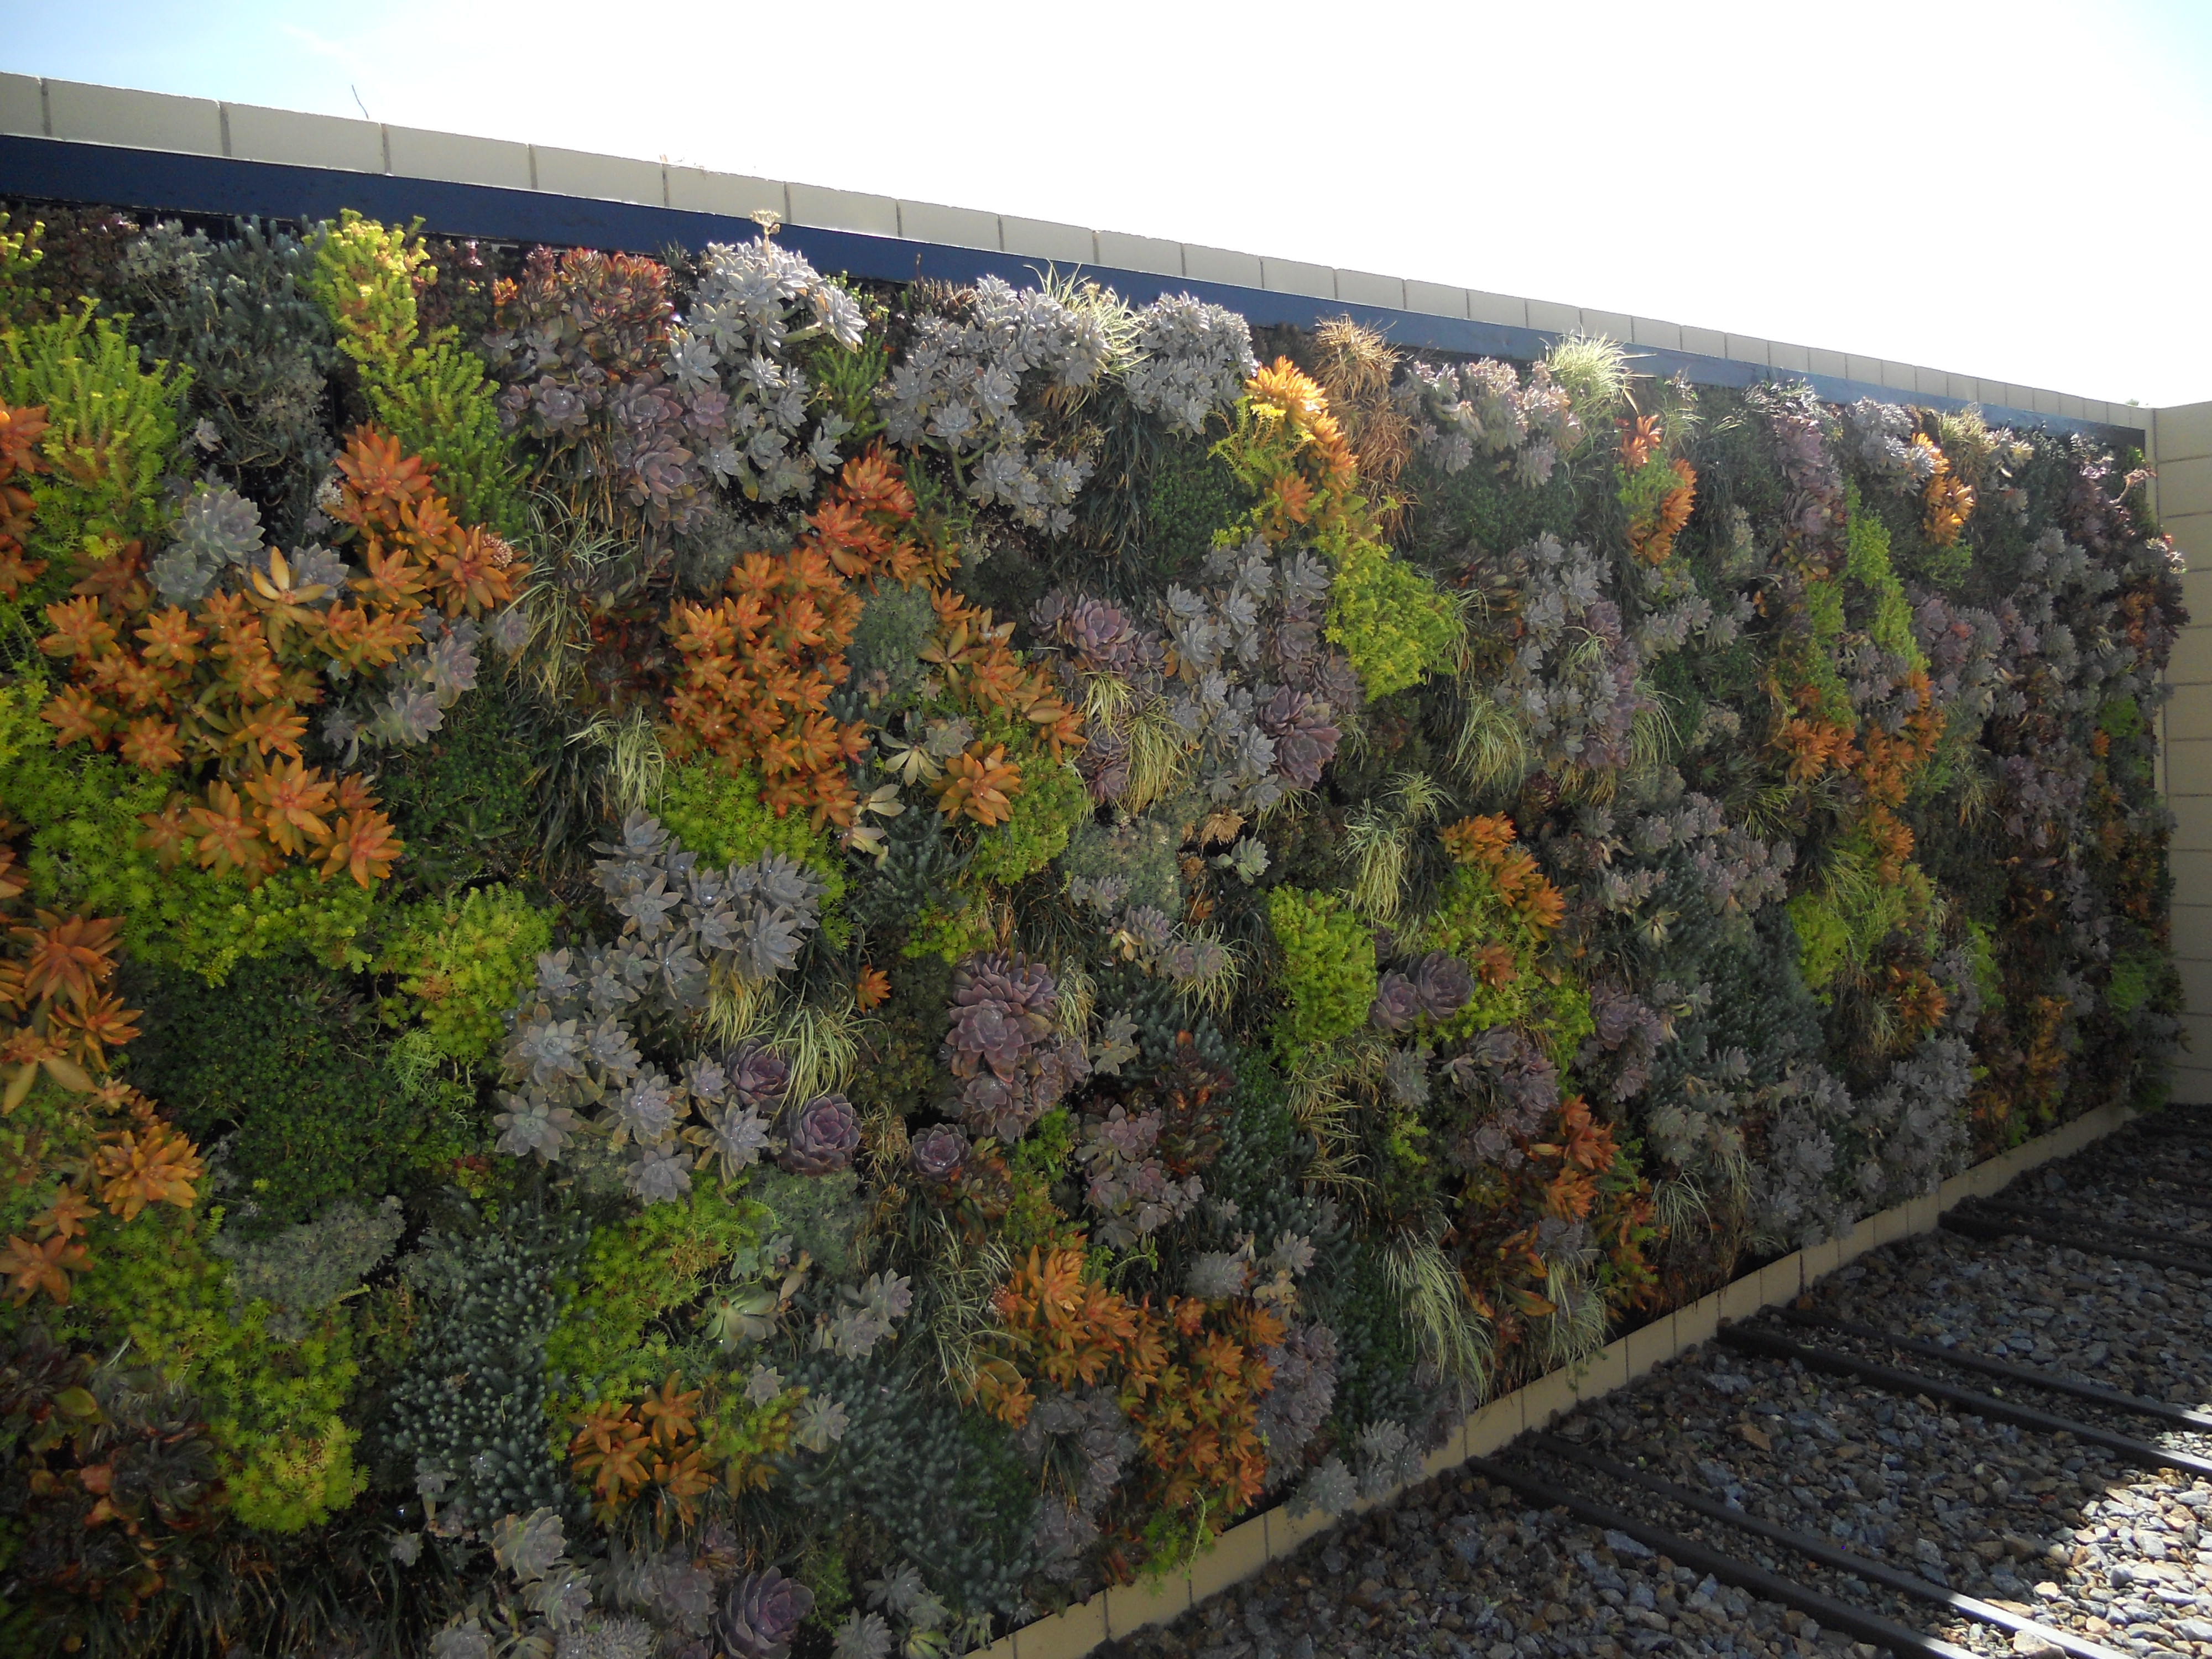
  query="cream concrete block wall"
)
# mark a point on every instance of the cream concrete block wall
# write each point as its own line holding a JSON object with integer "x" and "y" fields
{"x": 2181, "y": 450}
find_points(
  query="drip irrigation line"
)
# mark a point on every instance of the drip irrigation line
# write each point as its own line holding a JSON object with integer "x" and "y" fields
{"x": 2180, "y": 1416}
{"x": 1890, "y": 1378}
{"x": 1991, "y": 1227}
{"x": 2102, "y": 1228}
{"x": 1899, "y": 1639}
{"x": 1827, "y": 1554}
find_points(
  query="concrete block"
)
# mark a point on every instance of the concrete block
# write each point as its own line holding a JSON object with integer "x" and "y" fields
{"x": 1649, "y": 1346}
{"x": 2072, "y": 406}
{"x": 1287, "y": 1532}
{"x": 2192, "y": 939}
{"x": 1043, "y": 238}
{"x": 1830, "y": 363}
{"x": 1497, "y": 1424}
{"x": 1511, "y": 313}
{"x": 1781, "y": 1281}
{"x": 1430, "y": 298}
{"x": 1607, "y": 1371}
{"x": 2193, "y": 534}
{"x": 1740, "y": 1298}
{"x": 1862, "y": 369}
{"x": 1148, "y": 1601}
{"x": 603, "y": 177}
{"x": 22, "y": 105}
{"x": 1649, "y": 331}
{"x": 2197, "y": 989}
{"x": 2196, "y": 585}
{"x": 1221, "y": 264}
{"x": 2185, "y": 487}
{"x": 1365, "y": 288}
{"x": 144, "y": 120}
{"x": 2184, "y": 431}
{"x": 1549, "y": 1396}
{"x": 457, "y": 159}
{"x": 1921, "y": 1214}
{"x": 955, "y": 227}
{"x": 2043, "y": 400}
{"x": 1748, "y": 349}
{"x": 1001, "y": 1649}
{"x": 1067, "y": 1635}
{"x": 2189, "y": 759}
{"x": 2192, "y": 876}
{"x": 842, "y": 209}
{"x": 1795, "y": 359}
{"x": 1818, "y": 1261}
{"x": 1900, "y": 377}
{"x": 1955, "y": 1190}
{"x": 1964, "y": 387}
{"x": 2191, "y": 662}
{"x": 1705, "y": 342}
{"x": 1608, "y": 324}
{"x": 1698, "y": 1323}
{"x": 1119, "y": 251}
{"x": 1295, "y": 276}
{"x": 737, "y": 195}
{"x": 1853, "y": 1243}
{"x": 316, "y": 141}
{"x": 1930, "y": 382}
{"x": 1235, "y": 1556}
{"x": 2193, "y": 828}
{"x": 1551, "y": 319}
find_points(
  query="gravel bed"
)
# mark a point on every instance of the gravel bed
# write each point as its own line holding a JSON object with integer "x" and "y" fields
{"x": 1464, "y": 1568}
{"x": 2064, "y": 1532}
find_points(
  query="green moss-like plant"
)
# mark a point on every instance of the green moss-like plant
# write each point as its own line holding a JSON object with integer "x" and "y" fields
{"x": 1329, "y": 967}
{"x": 110, "y": 435}
{"x": 719, "y": 815}
{"x": 461, "y": 964}
{"x": 82, "y": 814}
{"x": 1052, "y": 801}
{"x": 274, "y": 1407}
{"x": 1388, "y": 619}
{"x": 284, "y": 1065}
{"x": 611, "y": 1338}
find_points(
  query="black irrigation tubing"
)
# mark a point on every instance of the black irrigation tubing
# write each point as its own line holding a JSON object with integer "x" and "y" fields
{"x": 1827, "y": 1554}
{"x": 2097, "y": 1225}
{"x": 1991, "y": 1227}
{"x": 1750, "y": 1339}
{"x": 1899, "y": 1639}
{"x": 2180, "y": 1416}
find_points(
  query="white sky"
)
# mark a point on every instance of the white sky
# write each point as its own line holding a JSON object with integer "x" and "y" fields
{"x": 2012, "y": 191}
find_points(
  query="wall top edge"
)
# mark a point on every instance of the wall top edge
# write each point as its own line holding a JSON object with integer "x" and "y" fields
{"x": 101, "y": 125}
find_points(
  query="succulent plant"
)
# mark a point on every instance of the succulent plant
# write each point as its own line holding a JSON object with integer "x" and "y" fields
{"x": 1192, "y": 359}
{"x": 761, "y": 1614}
{"x": 1003, "y": 1044}
{"x": 823, "y": 1136}
{"x": 938, "y": 1152}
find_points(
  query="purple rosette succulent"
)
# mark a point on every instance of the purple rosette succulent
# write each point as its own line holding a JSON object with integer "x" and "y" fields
{"x": 756, "y": 1077}
{"x": 1003, "y": 1047}
{"x": 1397, "y": 1003}
{"x": 1443, "y": 983}
{"x": 761, "y": 1614}
{"x": 939, "y": 1151}
{"x": 825, "y": 1134}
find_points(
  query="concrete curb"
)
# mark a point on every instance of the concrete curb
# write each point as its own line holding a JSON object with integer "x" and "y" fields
{"x": 1243, "y": 1550}
{"x": 51, "y": 108}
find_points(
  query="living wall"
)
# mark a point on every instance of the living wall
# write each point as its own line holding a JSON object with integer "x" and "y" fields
{"x": 702, "y": 958}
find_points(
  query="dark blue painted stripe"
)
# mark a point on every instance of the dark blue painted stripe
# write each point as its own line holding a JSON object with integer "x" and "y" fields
{"x": 165, "y": 181}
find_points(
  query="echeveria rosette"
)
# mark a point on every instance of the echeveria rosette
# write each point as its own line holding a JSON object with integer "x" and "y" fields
{"x": 761, "y": 1614}
{"x": 939, "y": 1153}
{"x": 823, "y": 1136}
{"x": 1003, "y": 1045}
